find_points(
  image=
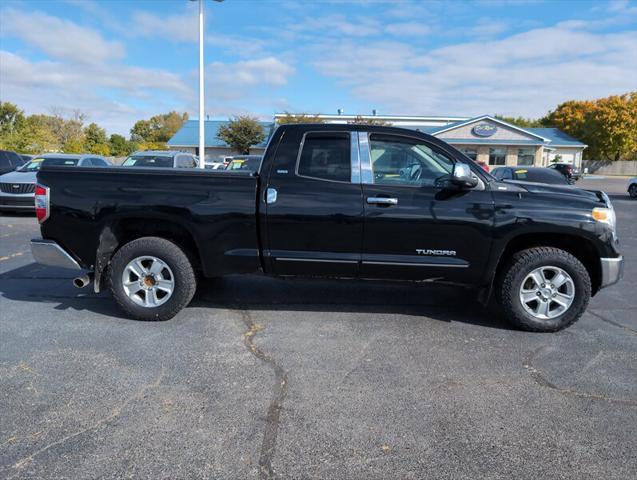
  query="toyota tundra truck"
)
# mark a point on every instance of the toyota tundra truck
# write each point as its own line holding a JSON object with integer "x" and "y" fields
{"x": 340, "y": 201}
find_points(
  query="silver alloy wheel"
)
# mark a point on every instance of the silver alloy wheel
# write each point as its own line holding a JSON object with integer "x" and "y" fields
{"x": 148, "y": 281}
{"x": 547, "y": 292}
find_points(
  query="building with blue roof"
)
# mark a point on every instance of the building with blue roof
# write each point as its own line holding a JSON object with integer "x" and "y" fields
{"x": 187, "y": 139}
{"x": 483, "y": 138}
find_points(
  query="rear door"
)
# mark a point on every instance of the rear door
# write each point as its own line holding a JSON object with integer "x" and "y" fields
{"x": 314, "y": 205}
{"x": 415, "y": 228}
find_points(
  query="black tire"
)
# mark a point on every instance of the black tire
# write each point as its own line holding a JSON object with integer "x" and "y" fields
{"x": 517, "y": 269}
{"x": 185, "y": 282}
{"x": 632, "y": 191}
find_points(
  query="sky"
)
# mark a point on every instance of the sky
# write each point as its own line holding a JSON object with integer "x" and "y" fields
{"x": 119, "y": 61}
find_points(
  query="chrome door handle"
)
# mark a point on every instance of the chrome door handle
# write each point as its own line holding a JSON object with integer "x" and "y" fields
{"x": 270, "y": 195}
{"x": 382, "y": 201}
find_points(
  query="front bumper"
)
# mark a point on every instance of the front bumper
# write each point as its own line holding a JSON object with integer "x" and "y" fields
{"x": 48, "y": 252}
{"x": 17, "y": 202}
{"x": 612, "y": 270}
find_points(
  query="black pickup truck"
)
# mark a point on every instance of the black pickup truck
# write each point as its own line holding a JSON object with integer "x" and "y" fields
{"x": 341, "y": 201}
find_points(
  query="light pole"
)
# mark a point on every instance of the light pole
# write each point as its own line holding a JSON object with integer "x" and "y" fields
{"x": 202, "y": 130}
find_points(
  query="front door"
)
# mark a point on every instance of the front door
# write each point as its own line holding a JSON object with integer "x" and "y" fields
{"x": 314, "y": 205}
{"x": 414, "y": 228}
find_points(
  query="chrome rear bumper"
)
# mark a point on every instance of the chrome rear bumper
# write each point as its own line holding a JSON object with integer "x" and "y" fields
{"x": 48, "y": 252}
{"x": 612, "y": 270}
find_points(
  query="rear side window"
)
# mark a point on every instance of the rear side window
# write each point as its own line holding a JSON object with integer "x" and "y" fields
{"x": 326, "y": 156}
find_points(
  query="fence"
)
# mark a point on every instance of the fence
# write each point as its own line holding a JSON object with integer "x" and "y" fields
{"x": 606, "y": 167}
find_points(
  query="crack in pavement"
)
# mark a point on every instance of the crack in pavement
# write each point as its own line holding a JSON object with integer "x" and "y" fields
{"x": 279, "y": 393}
{"x": 541, "y": 380}
{"x": 114, "y": 414}
{"x": 612, "y": 322}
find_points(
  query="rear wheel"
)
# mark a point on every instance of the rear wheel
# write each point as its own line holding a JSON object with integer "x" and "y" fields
{"x": 151, "y": 278}
{"x": 544, "y": 289}
{"x": 632, "y": 191}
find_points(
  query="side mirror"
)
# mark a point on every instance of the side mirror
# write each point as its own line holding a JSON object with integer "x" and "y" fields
{"x": 462, "y": 176}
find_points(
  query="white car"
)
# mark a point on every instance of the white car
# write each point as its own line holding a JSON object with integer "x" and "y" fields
{"x": 632, "y": 187}
{"x": 17, "y": 189}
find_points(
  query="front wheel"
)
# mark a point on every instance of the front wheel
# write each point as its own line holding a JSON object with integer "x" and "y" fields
{"x": 632, "y": 191}
{"x": 544, "y": 289}
{"x": 151, "y": 278}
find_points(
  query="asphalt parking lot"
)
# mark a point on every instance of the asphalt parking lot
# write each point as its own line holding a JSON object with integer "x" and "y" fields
{"x": 264, "y": 378}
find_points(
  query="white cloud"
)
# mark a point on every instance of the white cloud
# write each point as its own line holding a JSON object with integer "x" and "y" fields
{"x": 408, "y": 29}
{"x": 335, "y": 25}
{"x": 268, "y": 71}
{"x": 486, "y": 27}
{"x": 176, "y": 28}
{"x": 523, "y": 74}
{"x": 38, "y": 86}
{"x": 59, "y": 38}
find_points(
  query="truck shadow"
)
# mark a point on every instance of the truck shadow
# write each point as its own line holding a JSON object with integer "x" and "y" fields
{"x": 39, "y": 284}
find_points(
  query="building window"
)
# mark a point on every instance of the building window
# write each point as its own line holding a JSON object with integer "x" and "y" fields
{"x": 526, "y": 156}
{"x": 497, "y": 156}
{"x": 472, "y": 153}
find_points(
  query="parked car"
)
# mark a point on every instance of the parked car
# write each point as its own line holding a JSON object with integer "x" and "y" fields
{"x": 245, "y": 162}
{"x": 9, "y": 161}
{"x": 17, "y": 188}
{"x": 530, "y": 174}
{"x": 26, "y": 158}
{"x": 161, "y": 159}
{"x": 215, "y": 162}
{"x": 632, "y": 187}
{"x": 570, "y": 171}
{"x": 349, "y": 201}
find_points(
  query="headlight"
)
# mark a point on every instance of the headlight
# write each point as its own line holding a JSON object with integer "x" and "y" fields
{"x": 607, "y": 216}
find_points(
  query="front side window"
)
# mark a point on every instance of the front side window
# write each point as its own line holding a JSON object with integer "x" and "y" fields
{"x": 326, "y": 156}
{"x": 497, "y": 156}
{"x": 526, "y": 156}
{"x": 406, "y": 161}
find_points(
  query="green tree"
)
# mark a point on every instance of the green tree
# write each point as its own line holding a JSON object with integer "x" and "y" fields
{"x": 73, "y": 145}
{"x": 95, "y": 140}
{"x": 241, "y": 133}
{"x": 33, "y": 136}
{"x": 159, "y": 128}
{"x": 120, "y": 147}
{"x": 360, "y": 120}
{"x": 299, "y": 118}
{"x": 11, "y": 118}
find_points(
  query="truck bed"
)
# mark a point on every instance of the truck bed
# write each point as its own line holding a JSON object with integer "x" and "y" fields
{"x": 217, "y": 209}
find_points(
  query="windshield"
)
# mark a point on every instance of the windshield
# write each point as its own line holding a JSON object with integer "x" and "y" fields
{"x": 148, "y": 161}
{"x": 32, "y": 166}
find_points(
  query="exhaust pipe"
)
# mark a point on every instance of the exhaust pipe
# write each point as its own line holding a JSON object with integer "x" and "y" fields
{"x": 83, "y": 281}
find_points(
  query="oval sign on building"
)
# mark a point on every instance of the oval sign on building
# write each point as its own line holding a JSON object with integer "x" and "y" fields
{"x": 484, "y": 130}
